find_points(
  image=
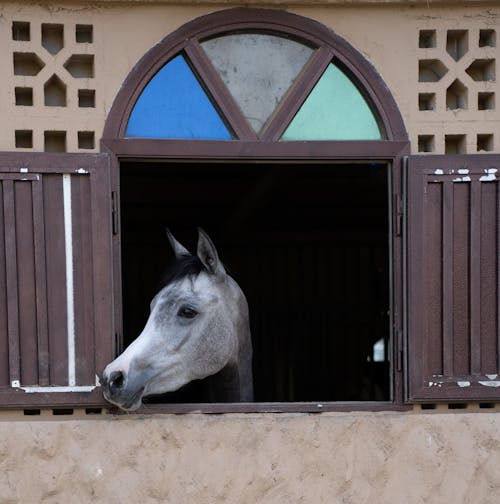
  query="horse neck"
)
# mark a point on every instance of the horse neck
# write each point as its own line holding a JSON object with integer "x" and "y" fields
{"x": 234, "y": 383}
{"x": 244, "y": 368}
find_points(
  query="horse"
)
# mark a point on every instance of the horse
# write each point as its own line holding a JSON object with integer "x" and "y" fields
{"x": 198, "y": 327}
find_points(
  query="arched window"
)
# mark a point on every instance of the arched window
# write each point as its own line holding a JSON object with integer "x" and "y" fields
{"x": 254, "y": 75}
{"x": 305, "y": 227}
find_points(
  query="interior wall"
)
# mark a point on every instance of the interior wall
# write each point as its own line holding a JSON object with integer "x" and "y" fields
{"x": 307, "y": 243}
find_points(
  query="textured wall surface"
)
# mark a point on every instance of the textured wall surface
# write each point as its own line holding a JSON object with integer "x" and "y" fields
{"x": 438, "y": 61}
{"x": 329, "y": 458}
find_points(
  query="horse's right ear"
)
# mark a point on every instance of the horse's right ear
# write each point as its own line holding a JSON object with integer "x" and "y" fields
{"x": 179, "y": 250}
{"x": 207, "y": 254}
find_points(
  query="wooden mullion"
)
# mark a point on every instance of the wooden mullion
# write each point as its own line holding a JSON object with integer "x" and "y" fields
{"x": 40, "y": 283}
{"x": 297, "y": 94}
{"x": 219, "y": 92}
{"x": 11, "y": 277}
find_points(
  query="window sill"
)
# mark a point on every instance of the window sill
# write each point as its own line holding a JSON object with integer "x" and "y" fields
{"x": 263, "y": 407}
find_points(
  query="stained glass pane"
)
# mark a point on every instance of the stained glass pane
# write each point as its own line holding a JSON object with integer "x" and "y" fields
{"x": 174, "y": 105}
{"x": 335, "y": 110}
{"x": 257, "y": 69}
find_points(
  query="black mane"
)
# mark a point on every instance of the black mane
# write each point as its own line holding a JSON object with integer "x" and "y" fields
{"x": 185, "y": 266}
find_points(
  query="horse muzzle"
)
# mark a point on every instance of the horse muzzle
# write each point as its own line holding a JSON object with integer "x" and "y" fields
{"x": 119, "y": 390}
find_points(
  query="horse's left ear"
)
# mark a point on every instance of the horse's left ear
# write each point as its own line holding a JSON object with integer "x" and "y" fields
{"x": 207, "y": 254}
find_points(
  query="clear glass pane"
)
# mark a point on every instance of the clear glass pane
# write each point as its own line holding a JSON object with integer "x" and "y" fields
{"x": 258, "y": 70}
{"x": 335, "y": 110}
{"x": 174, "y": 105}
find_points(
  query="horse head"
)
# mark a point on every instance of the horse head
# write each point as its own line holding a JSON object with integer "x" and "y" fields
{"x": 198, "y": 325}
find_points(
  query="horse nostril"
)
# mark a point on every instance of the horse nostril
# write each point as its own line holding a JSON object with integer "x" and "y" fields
{"x": 116, "y": 381}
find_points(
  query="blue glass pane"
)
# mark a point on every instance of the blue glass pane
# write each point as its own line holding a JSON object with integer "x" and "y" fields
{"x": 174, "y": 105}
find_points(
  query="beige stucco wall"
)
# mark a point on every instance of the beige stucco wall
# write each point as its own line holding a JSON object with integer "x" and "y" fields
{"x": 355, "y": 458}
{"x": 387, "y": 35}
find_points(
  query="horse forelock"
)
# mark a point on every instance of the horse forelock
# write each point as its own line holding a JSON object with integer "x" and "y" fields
{"x": 183, "y": 267}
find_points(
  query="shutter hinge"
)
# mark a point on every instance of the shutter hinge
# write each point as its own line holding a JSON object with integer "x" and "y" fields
{"x": 117, "y": 349}
{"x": 399, "y": 350}
{"x": 398, "y": 214}
{"x": 114, "y": 212}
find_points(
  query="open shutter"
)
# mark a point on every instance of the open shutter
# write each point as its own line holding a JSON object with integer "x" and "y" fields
{"x": 56, "y": 316}
{"x": 453, "y": 277}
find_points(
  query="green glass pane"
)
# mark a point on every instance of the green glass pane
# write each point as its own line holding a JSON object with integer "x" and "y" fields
{"x": 258, "y": 70}
{"x": 335, "y": 110}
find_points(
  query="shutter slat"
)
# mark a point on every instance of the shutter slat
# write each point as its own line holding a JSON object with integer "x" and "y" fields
{"x": 40, "y": 284}
{"x": 11, "y": 281}
{"x": 453, "y": 283}
{"x": 489, "y": 281}
{"x": 475, "y": 276}
{"x": 460, "y": 315}
{"x": 56, "y": 278}
{"x": 447, "y": 290}
{"x": 433, "y": 287}
{"x": 82, "y": 250}
{"x": 25, "y": 252}
{"x": 4, "y": 344}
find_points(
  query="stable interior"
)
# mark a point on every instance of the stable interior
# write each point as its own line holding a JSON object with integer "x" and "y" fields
{"x": 308, "y": 244}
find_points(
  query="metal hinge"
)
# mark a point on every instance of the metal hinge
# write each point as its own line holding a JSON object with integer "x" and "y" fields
{"x": 399, "y": 350}
{"x": 117, "y": 348}
{"x": 398, "y": 214}
{"x": 114, "y": 212}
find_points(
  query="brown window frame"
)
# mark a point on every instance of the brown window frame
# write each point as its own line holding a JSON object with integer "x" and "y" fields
{"x": 246, "y": 147}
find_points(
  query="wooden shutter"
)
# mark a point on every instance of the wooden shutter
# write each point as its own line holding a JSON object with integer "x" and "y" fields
{"x": 453, "y": 277}
{"x": 56, "y": 317}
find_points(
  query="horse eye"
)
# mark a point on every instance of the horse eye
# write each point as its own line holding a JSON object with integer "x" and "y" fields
{"x": 186, "y": 312}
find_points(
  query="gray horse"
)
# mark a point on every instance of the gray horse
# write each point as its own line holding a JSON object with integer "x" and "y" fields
{"x": 198, "y": 327}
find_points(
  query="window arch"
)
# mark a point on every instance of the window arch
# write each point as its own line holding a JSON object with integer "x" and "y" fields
{"x": 324, "y": 90}
{"x": 258, "y": 70}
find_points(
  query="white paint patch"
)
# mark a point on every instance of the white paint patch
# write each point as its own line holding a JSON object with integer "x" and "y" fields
{"x": 488, "y": 178}
{"x": 491, "y": 383}
{"x": 44, "y": 390}
{"x": 56, "y": 388}
{"x": 491, "y": 376}
{"x": 438, "y": 171}
{"x": 435, "y": 384}
{"x": 463, "y": 171}
{"x": 82, "y": 171}
{"x": 462, "y": 179}
{"x": 23, "y": 170}
{"x": 70, "y": 302}
{"x": 491, "y": 170}
{"x": 463, "y": 383}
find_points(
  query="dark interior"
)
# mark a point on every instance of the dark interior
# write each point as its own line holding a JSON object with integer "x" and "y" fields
{"x": 308, "y": 244}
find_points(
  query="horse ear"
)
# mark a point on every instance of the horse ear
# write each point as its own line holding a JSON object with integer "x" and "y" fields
{"x": 207, "y": 254}
{"x": 179, "y": 250}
